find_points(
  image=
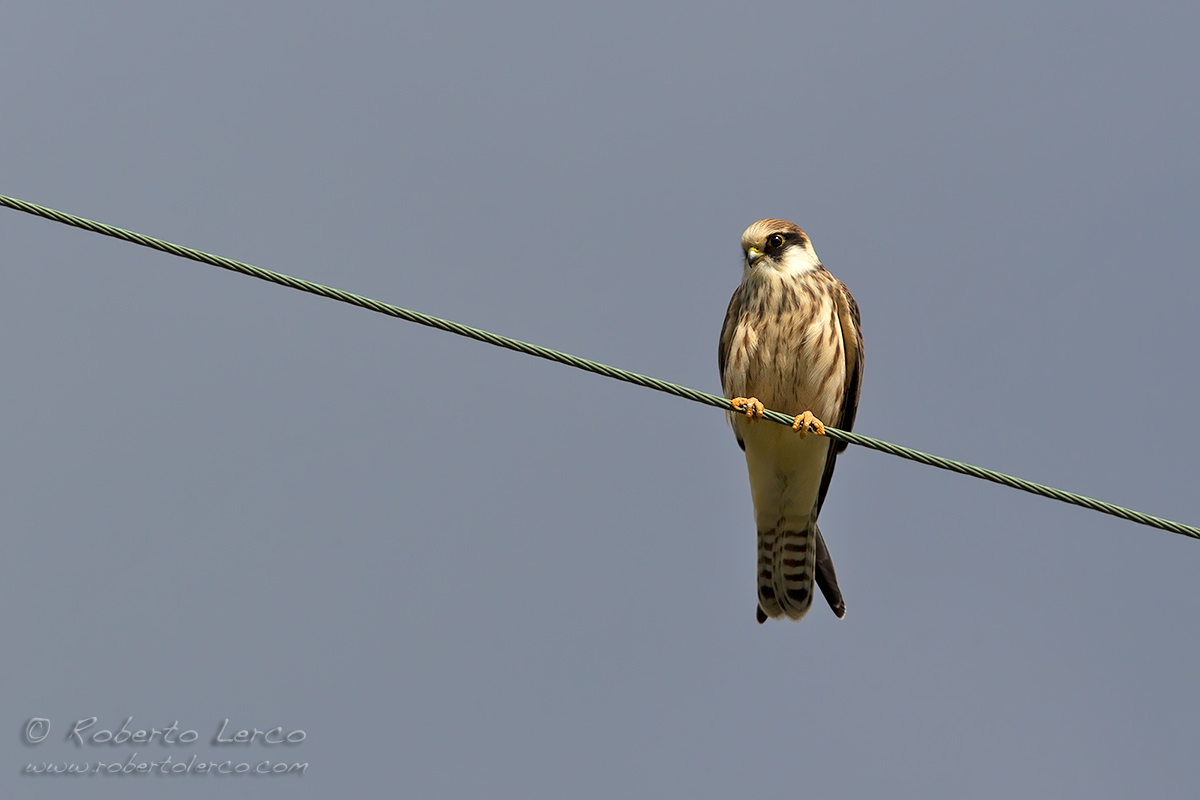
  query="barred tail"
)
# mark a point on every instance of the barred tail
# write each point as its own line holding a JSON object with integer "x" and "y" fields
{"x": 788, "y": 562}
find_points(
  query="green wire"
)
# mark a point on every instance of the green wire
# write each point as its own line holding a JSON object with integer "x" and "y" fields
{"x": 592, "y": 366}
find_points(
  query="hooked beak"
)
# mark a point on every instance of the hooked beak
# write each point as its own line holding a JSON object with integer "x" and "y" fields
{"x": 753, "y": 256}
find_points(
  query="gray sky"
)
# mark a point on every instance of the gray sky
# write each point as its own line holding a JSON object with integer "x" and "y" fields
{"x": 467, "y": 573}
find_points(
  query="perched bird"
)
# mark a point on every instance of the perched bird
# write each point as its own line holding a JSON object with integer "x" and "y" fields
{"x": 791, "y": 342}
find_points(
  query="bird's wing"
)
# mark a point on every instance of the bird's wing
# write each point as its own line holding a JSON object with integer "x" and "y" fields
{"x": 731, "y": 319}
{"x": 852, "y": 349}
{"x": 732, "y": 314}
{"x": 827, "y": 577}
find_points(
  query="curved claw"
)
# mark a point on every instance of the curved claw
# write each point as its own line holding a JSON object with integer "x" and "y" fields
{"x": 807, "y": 422}
{"x": 751, "y": 406}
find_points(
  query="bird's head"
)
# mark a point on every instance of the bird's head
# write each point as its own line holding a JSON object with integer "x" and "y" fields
{"x": 778, "y": 245}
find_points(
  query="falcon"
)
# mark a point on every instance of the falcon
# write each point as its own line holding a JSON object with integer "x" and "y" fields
{"x": 791, "y": 342}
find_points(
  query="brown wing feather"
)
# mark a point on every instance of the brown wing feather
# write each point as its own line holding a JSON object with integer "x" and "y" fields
{"x": 731, "y": 318}
{"x": 852, "y": 349}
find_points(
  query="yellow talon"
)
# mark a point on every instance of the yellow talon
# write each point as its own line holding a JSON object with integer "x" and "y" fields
{"x": 807, "y": 422}
{"x": 751, "y": 405}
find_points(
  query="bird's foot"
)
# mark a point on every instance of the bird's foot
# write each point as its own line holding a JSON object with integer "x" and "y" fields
{"x": 752, "y": 407}
{"x": 807, "y": 422}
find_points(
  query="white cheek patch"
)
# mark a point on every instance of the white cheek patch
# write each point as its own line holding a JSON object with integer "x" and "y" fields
{"x": 798, "y": 260}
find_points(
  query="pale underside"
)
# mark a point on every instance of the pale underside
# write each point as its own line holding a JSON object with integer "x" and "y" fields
{"x": 793, "y": 362}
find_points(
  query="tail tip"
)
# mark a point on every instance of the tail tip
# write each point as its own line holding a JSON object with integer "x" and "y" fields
{"x": 839, "y": 611}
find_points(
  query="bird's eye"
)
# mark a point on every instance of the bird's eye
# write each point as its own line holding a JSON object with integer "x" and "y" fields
{"x": 775, "y": 240}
